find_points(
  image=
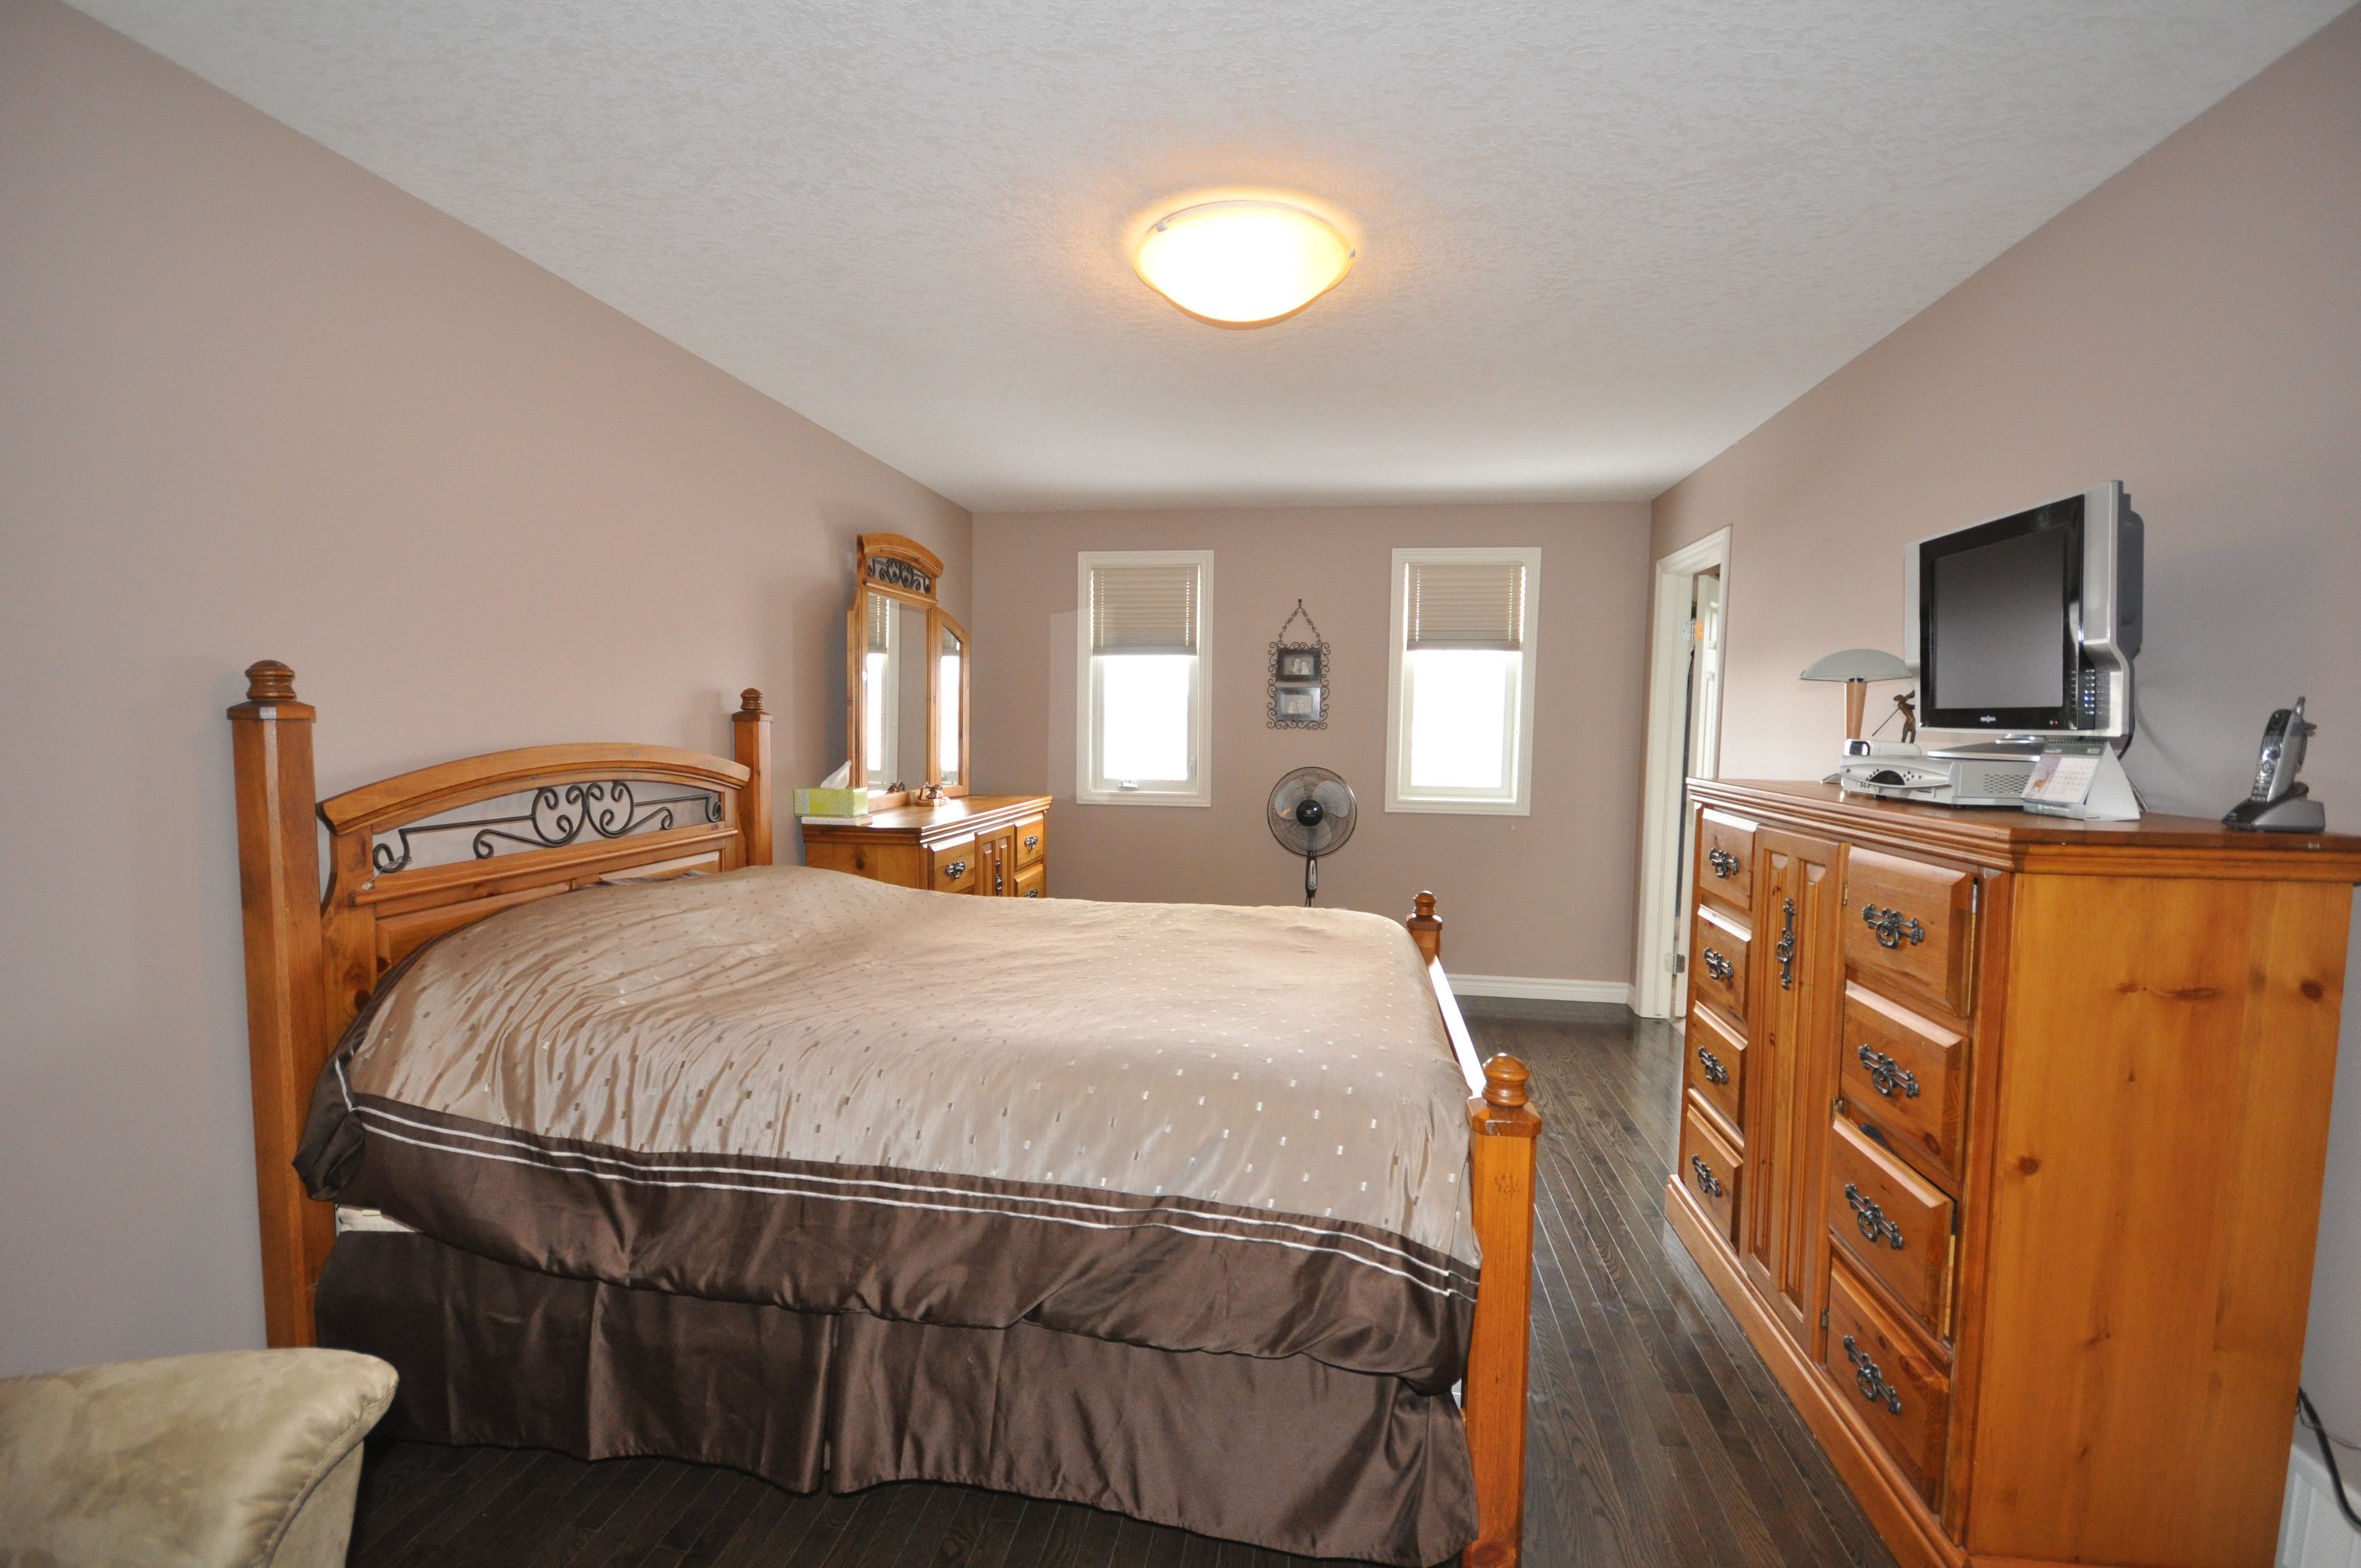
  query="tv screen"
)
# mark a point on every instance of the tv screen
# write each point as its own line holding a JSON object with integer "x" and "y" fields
{"x": 2000, "y": 624}
{"x": 1995, "y": 634}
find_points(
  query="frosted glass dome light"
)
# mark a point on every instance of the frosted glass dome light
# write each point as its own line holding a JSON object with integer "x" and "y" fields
{"x": 1242, "y": 263}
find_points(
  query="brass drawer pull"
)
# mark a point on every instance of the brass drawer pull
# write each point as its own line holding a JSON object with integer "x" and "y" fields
{"x": 1871, "y": 1219}
{"x": 1786, "y": 950}
{"x": 1887, "y": 1075}
{"x": 1714, "y": 1071}
{"x": 1889, "y": 929}
{"x": 1725, "y": 864}
{"x": 956, "y": 870}
{"x": 1708, "y": 1183}
{"x": 1717, "y": 966}
{"x": 1870, "y": 1378}
{"x": 1032, "y": 841}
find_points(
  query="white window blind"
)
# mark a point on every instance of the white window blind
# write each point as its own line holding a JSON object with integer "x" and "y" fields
{"x": 881, "y": 620}
{"x": 1465, "y": 605}
{"x": 1143, "y": 610}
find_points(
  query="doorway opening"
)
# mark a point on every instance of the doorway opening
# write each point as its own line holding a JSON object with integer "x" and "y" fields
{"x": 1684, "y": 670}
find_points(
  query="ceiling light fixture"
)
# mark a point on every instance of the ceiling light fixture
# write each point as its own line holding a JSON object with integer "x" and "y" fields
{"x": 1242, "y": 263}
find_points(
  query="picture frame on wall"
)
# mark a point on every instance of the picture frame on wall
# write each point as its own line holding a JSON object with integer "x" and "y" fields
{"x": 1297, "y": 705}
{"x": 1299, "y": 662}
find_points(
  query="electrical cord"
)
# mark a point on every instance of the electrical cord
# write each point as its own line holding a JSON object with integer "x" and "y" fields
{"x": 2310, "y": 1417}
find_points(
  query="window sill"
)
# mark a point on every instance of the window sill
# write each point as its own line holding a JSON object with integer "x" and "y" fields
{"x": 1432, "y": 808}
{"x": 1138, "y": 797}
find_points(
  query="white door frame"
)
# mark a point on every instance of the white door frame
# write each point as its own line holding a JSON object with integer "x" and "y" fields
{"x": 1653, "y": 985}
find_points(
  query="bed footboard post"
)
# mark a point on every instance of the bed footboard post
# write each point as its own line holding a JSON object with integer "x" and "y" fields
{"x": 278, "y": 892}
{"x": 1501, "y": 1154}
{"x": 751, "y": 727}
{"x": 1424, "y": 928}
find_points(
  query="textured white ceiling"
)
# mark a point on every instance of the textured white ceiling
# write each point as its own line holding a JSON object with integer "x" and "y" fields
{"x": 1599, "y": 242}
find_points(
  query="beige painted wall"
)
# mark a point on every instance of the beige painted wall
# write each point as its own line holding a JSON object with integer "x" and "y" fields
{"x": 1547, "y": 895}
{"x": 2193, "y": 328}
{"x": 258, "y": 403}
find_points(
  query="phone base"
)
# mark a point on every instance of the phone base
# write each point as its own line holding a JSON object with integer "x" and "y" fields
{"x": 2294, "y": 812}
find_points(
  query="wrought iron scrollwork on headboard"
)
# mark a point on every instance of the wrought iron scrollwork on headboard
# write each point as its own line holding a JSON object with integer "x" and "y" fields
{"x": 558, "y": 816}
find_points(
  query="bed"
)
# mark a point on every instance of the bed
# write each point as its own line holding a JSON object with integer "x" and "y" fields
{"x": 1172, "y": 1210}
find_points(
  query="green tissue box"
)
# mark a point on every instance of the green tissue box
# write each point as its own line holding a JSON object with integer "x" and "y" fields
{"x": 831, "y": 802}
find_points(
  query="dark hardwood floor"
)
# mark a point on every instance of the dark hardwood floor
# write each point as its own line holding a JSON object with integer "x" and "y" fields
{"x": 1657, "y": 1437}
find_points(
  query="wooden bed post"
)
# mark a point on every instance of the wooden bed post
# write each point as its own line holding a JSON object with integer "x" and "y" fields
{"x": 1501, "y": 1154}
{"x": 752, "y": 726}
{"x": 1424, "y": 928}
{"x": 278, "y": 892}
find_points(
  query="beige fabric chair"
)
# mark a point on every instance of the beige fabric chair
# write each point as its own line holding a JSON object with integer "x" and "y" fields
{"x": 239, "y": 1459}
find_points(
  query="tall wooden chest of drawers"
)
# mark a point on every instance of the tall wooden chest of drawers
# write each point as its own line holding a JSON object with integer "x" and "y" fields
{"x": 2004, "y": 1137}
{"x": 996, "y": 845}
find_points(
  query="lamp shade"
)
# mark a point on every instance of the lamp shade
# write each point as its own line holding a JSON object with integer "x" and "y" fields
{"x": 1857, "y": 665}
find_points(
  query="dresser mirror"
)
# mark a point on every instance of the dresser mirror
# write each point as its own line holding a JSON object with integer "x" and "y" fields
{"x": 906, "y": 671}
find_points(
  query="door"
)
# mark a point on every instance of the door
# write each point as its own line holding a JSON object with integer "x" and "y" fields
{"x": 1798, "y": 981}
{"x": 1700, "y": 747}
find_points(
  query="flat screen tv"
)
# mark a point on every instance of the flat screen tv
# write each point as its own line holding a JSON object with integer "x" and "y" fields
{"x": 2027, "y": 625}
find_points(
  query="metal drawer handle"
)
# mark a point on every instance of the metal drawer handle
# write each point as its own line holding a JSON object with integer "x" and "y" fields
{"x": 1725, "y": 864}
{"x": 1870, "y": 1379}
{"x": 1714, "y": 1071}
{"x": 1786, "y": 950}
{"x": 1717, "y": 966}
{"x": 1032, "y": 841}
{"x": 1708, "y": 1183}
{"x": 1032, "y": 893}
{"x": 1889, "y": 929}
{"x": 956, "y": 870}
{"x": 1887, "y": 1075}
{"x": 1871, "y": 1219}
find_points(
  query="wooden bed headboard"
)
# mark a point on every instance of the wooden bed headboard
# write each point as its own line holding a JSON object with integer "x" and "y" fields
{"x": 312, "y": 959}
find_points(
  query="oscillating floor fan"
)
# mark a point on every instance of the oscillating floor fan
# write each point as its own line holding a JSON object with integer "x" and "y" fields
{"x": 1311, "y": 815}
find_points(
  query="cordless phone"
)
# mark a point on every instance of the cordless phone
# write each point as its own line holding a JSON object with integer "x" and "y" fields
{"x": 2277, "y": 802}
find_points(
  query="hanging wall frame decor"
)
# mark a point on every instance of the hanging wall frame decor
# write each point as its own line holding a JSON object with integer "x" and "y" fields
{"x": 1299, "y": 677}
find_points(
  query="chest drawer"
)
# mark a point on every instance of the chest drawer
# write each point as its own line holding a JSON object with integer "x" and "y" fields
{"x": 954, "y": 867}
{"x": 1725, "y": 867}
{"x": 1716, "y": 1063}
{"x": 1031, "y": 882}
{"x": 1894, "y": 1222}
{"x": 1710, "y": 1168}
{"x": 1717, "y": 945}
{"x": 1032, "y": 841}
{"x": 1908, "y": 928}
{"x": 1903, "y": 1073}
{"x": 1903, "y": 1393}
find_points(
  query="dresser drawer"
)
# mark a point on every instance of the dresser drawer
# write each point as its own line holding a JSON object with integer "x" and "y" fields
{"x": 1032, "y": 841}
{"x": 1907, "y": 929}
{"x": 1031, "y": 882}
{"x": 1710, "y": 1168}
{"x": 953, "y": 867}
{"x": 1903, "y": 1073}
{"x": 1724, "y": 865}
{"x": 1717, "y": 945}
{"x": 1894, "y": 1221}
{"x": 1716, "y": 1063}
{"x": 1903, "y": 1393}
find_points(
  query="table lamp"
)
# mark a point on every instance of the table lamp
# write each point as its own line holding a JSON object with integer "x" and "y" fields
{"x": 1856, "y": 668}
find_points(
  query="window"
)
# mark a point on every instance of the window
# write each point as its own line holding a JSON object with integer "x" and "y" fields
{"x": 1459, "y": 727}
{"x": 1140, "y": 734}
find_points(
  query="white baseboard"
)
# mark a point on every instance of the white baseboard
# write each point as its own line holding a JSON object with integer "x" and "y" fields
{"x": 2313, "y": 1534}
{"x": 1525, "y": 988}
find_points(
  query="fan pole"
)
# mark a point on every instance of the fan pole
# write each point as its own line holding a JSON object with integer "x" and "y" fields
{"x": 1311, "y": 878}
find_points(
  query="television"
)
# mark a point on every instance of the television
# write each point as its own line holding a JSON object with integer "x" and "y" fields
{"x": 2026, "y": 626}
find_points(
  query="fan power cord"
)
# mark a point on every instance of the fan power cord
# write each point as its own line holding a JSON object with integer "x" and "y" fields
{"x": 2310, "y": 1417}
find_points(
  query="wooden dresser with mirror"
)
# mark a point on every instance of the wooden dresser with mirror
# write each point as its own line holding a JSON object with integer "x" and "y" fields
{"x": 908, "y": 670}
{"x": 2004, "y": 1136}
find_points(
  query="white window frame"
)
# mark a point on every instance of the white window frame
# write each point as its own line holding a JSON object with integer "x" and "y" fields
{"x": 1399, "y": 795}
{"x": 1088, "y": 789}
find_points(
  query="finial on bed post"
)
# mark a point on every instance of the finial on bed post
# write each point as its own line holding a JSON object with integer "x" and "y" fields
{"x": 751, "y": 727}
{"x": 286, "y": 1027}
{"x": 268, "y": 680}
{"x": 1504, "y": 1082}
{"x": 1424, "y": 928}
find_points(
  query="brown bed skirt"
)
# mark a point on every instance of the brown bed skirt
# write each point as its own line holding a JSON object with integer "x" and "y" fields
{"x": 1287, "y": 1452}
